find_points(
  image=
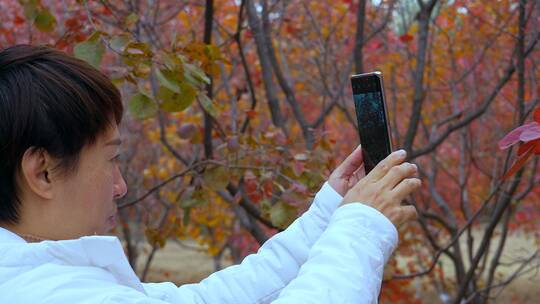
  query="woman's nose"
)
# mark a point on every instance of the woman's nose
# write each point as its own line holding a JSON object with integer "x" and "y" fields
{"x": 120, "y": 187}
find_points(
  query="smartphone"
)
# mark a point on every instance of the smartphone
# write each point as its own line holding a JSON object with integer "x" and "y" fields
{"x": 372, "y": 117}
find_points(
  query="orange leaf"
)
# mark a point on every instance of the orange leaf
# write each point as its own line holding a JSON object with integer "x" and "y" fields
{"x": 537, "y": 115}
{"x": 251, "y": 114}
{"x": 406, "y": 38}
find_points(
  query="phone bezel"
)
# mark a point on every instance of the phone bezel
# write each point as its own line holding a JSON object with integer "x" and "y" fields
{"x": 356, "y": 77}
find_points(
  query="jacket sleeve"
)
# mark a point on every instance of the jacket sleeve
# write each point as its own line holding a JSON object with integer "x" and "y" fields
{"x": 261, "y": 276}
{"x": 346, "y": 264}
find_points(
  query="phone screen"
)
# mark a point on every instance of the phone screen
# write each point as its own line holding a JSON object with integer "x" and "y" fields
{"x": 372, "y": 119}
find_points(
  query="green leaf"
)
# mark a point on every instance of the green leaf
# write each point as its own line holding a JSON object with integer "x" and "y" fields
{"x": 30, "y": 9}
{"x": 95, "y": 36}
{"x": 213, "y": 52}
{"x": 177, "y": 102}
{"x": 142, "y": 106}
{"x": 138, "y": 49}
{"x": 90, "y": 51}
{"x": 195, "y": 199}
{"x": 45, "y": 21}
{"x": 191, "y": 202}
{"x": 131, "y": 19}
{"x": 266, "y": 206}
{"x": 216, "y": 178}
{"x": 173, "y": 61}
{"x": 208, "y": 105}
{"x": 282, "y": 215}
{"x": 118, "y": 43}
{"x": 195, "y": 75}
{"x": 169, "y": 79}
{"x": 185, "y": 219}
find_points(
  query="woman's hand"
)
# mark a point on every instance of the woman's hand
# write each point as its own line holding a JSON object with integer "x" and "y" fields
{"x": 348, "y": 173}
{"x": 385, "y": 187}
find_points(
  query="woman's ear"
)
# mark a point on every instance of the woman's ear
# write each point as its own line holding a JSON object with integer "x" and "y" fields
{"x": 36, "y": 165}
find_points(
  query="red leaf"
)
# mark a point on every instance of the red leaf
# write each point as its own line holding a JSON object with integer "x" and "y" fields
{"x": 406, "y": 38}
{"x": 530, "y": 133}
{"x": 512, "y": 138}
{"x": 521, "y": 216}
{"x": 251, "y": 114}
{"x": 526, "y": 147}
{"x": 71, "y": 23}
{"x": 18, "y": 20}
{"x": 248, "y": 34}
{"x": 518, "y": 164}
{"x": 290, "y": 29}
{"x": 537, "y": 115}
{"x": 106, "y": 11}
{"x": 537, "y": 148}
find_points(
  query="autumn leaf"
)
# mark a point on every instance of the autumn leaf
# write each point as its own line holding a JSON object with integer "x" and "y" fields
{"x": 118, "y": 43}
{"x": 91, "y": 51}
{"x": 251, "y": 114}
{"x": 45, "y": 21}
{"x": 406, "y": 38}
{"x": 192, "y": 197}
{"x": 18, "y": 20}
{"x": 195, "y": 75}
{"x": 176, "y": 101}
{"x": 141, "y": 106}
{"x": 154, "y": 237}
{"x": 31, "y": 9}
{"x": 216, "y": 178}
{"x": 518, "y": 164}
{"x": 138, "y": 50}
{"x": 529, "y": 136}
{"x": 282, "y": 214}
{"x": 131, "y": 20}
{"x": 514, "y": 136}
{"x": 208, "y": 105}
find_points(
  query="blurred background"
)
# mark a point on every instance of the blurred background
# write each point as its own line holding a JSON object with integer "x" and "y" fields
{"x": 238, "y": 110}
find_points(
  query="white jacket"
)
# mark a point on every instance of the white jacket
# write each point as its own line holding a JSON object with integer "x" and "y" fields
{"x": 325, "y": 256}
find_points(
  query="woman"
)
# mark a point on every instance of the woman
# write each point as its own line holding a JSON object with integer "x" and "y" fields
{"x": 59, "y": 180}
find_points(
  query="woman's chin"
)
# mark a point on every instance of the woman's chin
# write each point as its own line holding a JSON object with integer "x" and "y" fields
{"x": 111, "y": 223}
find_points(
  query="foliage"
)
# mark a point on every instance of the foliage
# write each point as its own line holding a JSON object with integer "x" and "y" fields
{"x": 234, "y": 136}
{"x": 529, "y": 135}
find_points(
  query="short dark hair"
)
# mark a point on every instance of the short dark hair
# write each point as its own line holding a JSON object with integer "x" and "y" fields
{"x": 53, "y": 102}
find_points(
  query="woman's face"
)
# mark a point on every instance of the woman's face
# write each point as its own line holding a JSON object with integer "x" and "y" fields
{"x": 90, "y": 192}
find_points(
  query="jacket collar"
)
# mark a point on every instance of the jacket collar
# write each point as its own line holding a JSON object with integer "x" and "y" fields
{"x": 7, "y": 236}
{"x": 98, "y": 251}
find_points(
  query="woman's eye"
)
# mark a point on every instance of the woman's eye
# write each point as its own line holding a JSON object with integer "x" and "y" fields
{"x": 116, "y": 158}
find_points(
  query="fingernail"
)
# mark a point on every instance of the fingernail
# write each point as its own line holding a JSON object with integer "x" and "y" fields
{"x": 401, "y": 152}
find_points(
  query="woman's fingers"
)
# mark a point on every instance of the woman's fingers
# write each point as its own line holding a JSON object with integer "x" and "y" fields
{"x": 385, "y": 187}
{"x": 354, "y": 161}
{"x": 382, "y": 168}
{"x": 406, "y": 187}
{"x": 340, "y": 179}
{"x": 398, "y": 173}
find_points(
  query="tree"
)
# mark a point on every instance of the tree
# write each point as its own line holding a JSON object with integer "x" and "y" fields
{"x": 238, "y": 110}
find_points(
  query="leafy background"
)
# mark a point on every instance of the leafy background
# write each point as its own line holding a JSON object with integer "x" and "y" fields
{"x": 238, "y": 110}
